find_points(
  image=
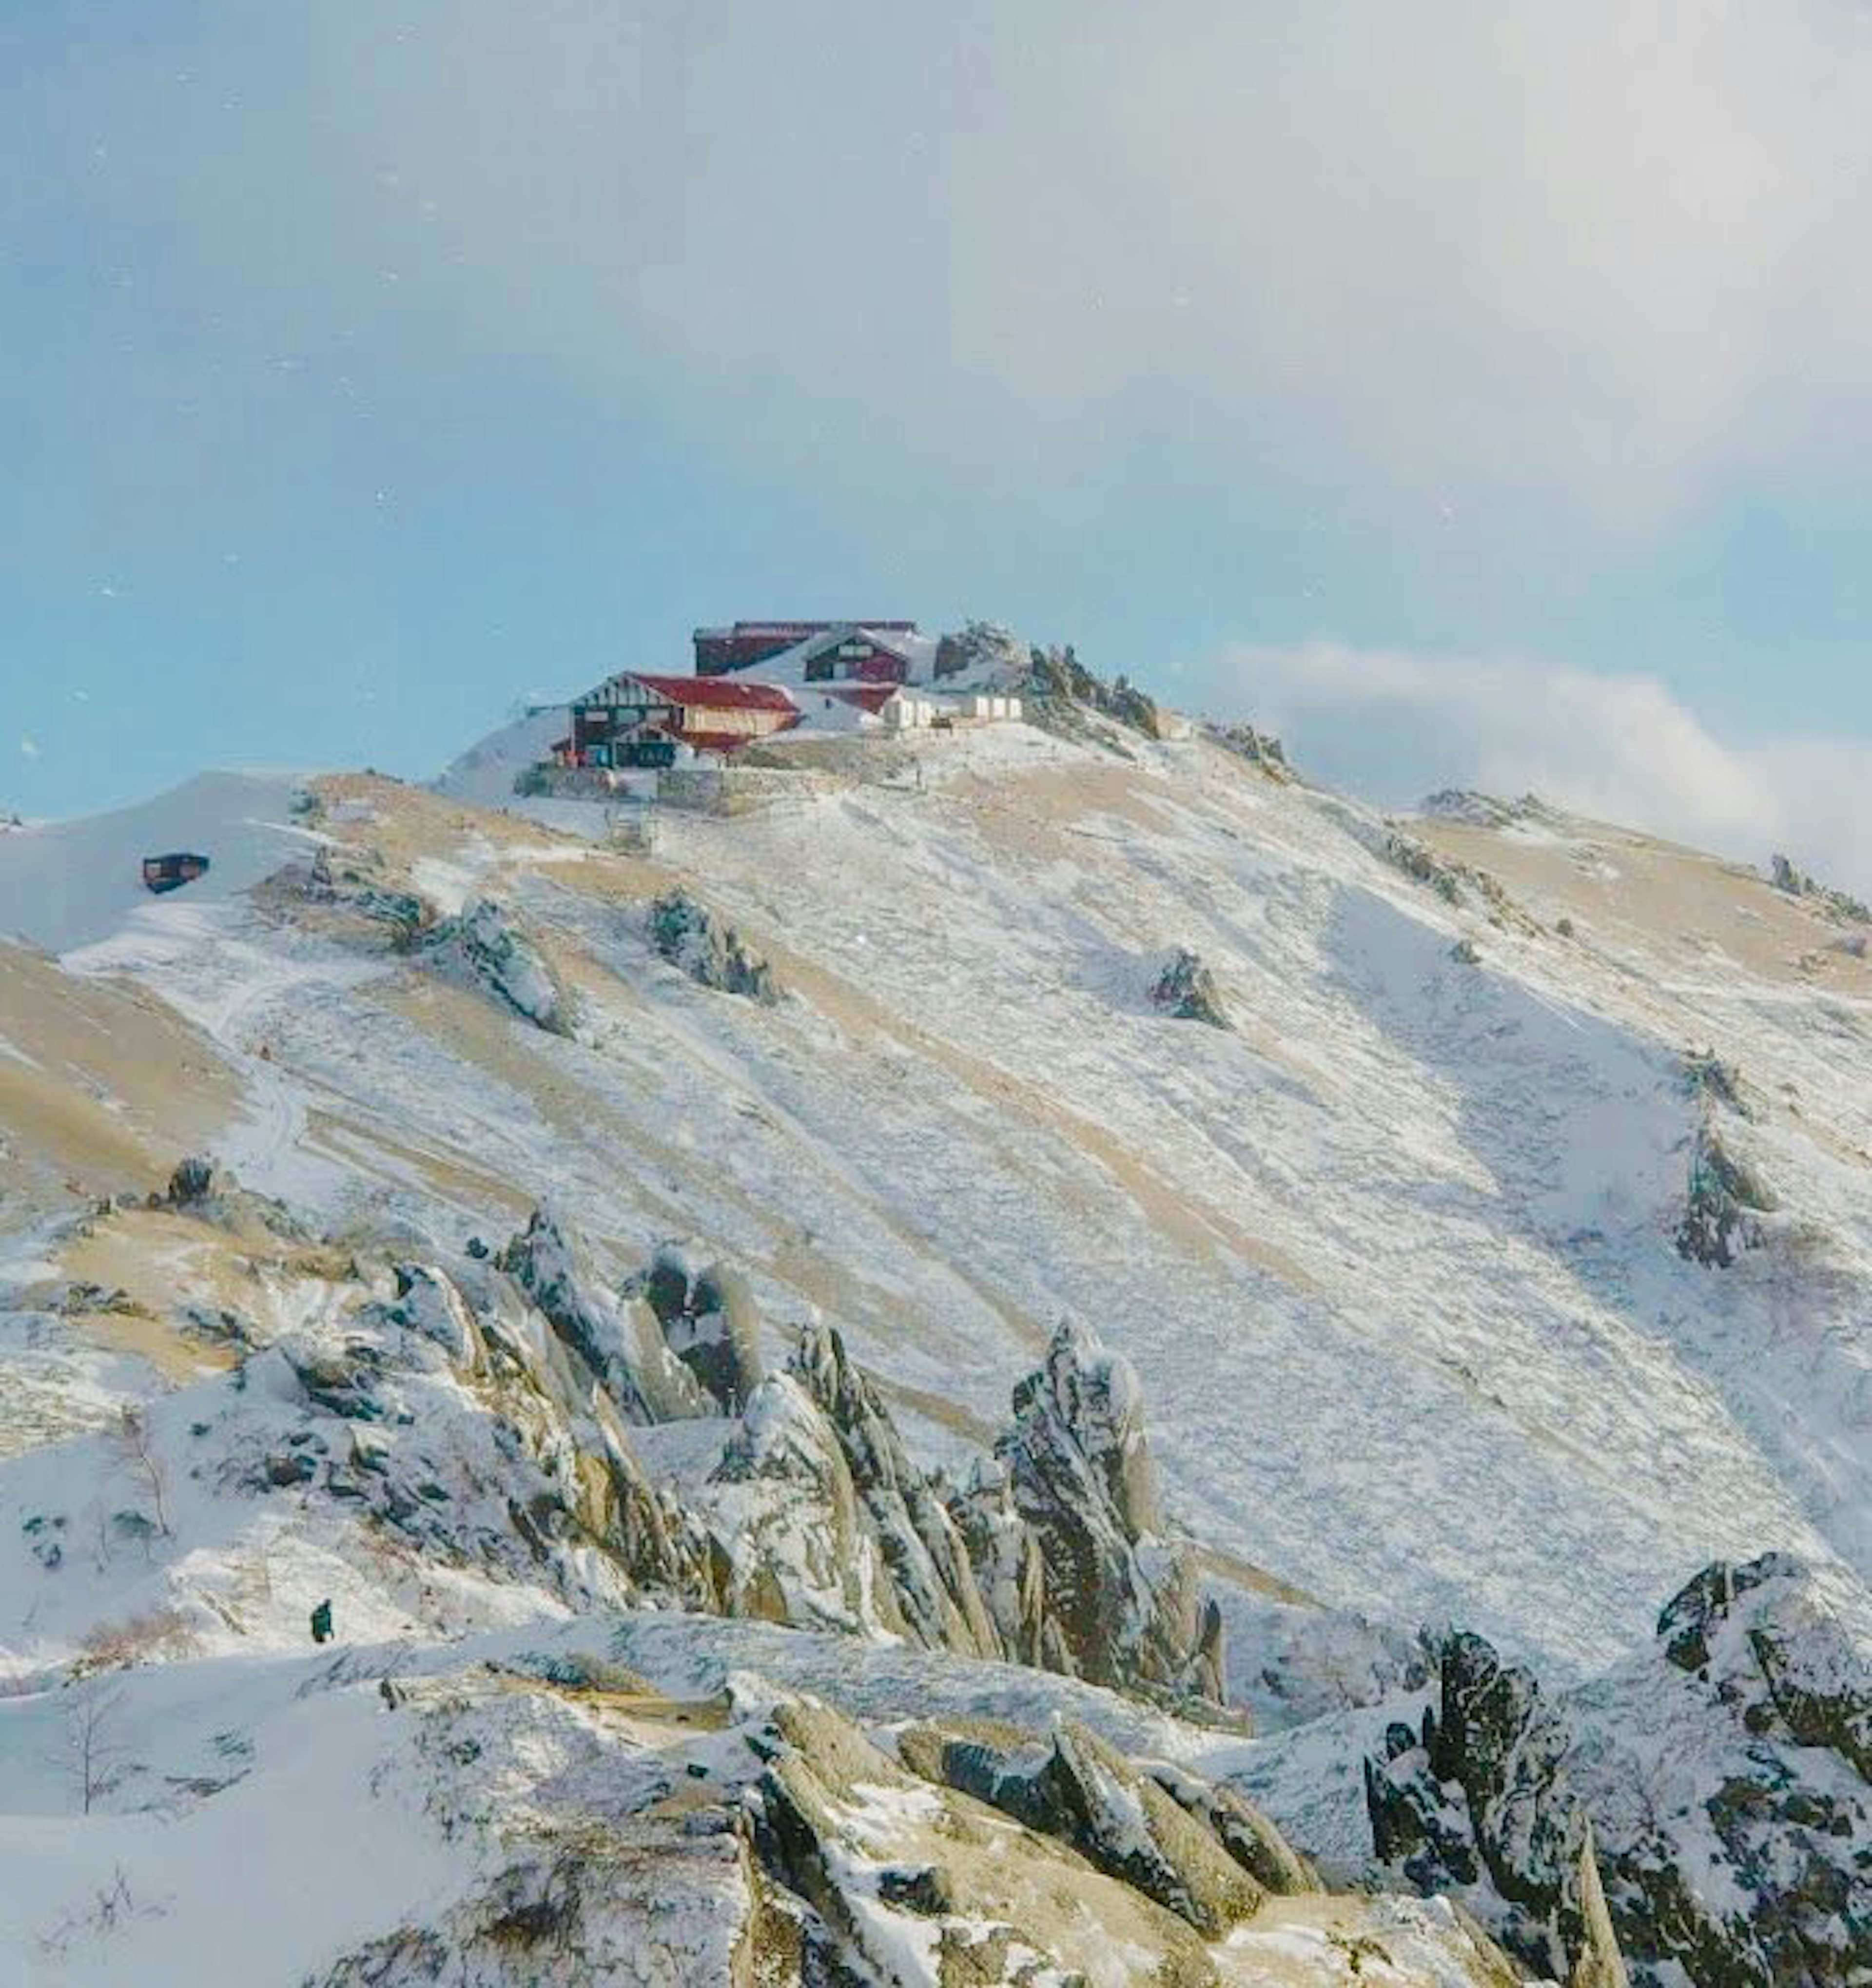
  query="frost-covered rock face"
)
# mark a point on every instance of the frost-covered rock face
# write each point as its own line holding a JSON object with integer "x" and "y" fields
{"x": 936, "y": 1584}
{"x": 471, "y": 1435}
{"x": 691, "y": 937}
{"x": 1725, "y": 1202}
{"x": 485, "y": 945}
{"x": 621, "y": 1343}
{"x": 1186, "y": 988}
{"x": 1121, "y": 1606}
{"x": 789, "y": 1541}
{"x": 710, "y": 1321}
{"x": 819, "y": 1519}
{"x": 1726, "y": 1777}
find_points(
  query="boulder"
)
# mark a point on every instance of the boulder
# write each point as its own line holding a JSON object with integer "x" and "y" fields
{"x": 710, "y": 1321}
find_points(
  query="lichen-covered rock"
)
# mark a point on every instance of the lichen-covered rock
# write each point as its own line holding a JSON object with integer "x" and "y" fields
{"x": 486, "y": 947}
{"x": 1186, "y": 988}
{"x": 712, "y": 953}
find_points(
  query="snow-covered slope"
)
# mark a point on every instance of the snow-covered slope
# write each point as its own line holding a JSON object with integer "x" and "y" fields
{"x": 69, "y": 884}
{"x": 1395, "y": 1247}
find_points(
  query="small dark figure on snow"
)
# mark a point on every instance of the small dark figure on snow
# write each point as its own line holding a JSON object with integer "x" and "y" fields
{"x": 322, "y": 1622}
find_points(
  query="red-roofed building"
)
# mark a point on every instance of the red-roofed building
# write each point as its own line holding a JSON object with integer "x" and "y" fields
{"x": 630, "y": 720}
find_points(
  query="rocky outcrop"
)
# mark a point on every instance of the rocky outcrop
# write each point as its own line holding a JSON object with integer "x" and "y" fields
{"x": 1710, "y": 1801}
{"x": 1838, "y": 905}
{"x": 1724, "y": 1204}
{"x": 790, "y": 1540}
{"x": 1454, "y": 883}
{"x": 620, "y": 1341}
{"x": 709, "y": 1321}
{"x": 1186, "y": 990}
{"x": 192, "y": 1183}
{"x": 763, "y": 1839}
{"x": 712, "y": 953}
{"x": 351, "y": 881}
{"x": 925, "y": 1553}
{"x": 1241, "y": 1828}
{"x": 1599, "y": 1963}
{"x": 484, "y": 946}
{"x": 543, "y": 1480}
{"x": 1260, "y": 749}
{"x": 1073, "y": 1787}
{"x": 1058, "y": 682}
{"x": 1121, "y": 1604}
{"x": 988, "y": 652}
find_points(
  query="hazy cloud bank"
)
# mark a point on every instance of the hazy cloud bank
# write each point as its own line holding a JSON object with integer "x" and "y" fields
{"x": 1395, "y": 726}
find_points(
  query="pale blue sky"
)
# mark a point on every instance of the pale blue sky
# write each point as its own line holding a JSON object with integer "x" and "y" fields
{"x": 366, "y": 366}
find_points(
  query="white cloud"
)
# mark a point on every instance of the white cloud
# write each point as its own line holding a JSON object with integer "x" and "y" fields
{"x": 1395, "y": 726}
{"x": 30, "y": 749}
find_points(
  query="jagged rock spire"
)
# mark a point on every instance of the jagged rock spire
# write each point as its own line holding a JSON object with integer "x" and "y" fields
{"x": 1599, "y": 1963}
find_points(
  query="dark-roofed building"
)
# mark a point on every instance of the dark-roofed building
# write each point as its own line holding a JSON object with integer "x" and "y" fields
{"x": 719, "y": 651}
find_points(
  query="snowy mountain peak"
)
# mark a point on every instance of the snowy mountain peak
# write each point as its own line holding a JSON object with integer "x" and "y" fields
{"x": 623, "y": 1297}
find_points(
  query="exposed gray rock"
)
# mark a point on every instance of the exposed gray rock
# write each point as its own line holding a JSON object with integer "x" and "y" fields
{"x": 713, "y": 954}
{"x": 485, "y": 946}
{"x": 1056, "y": 678}
{"x": 1599, "y": 1963}
{"x": 1260, "y": 748}
{"x": 1726, "y": 1201}
{"x": 1121, "y": 1604}
{"x": 621, "y": 1343}
{"x": 925, "y": 1552}
{"x": 789, "y": 1538}
{"x": 1074, "y": 1787}
{"x": 892, "y": 1867}
{"x": 1186, "y": 988}
{"x": 710, "y": 1321}
{"x": 1240, "y": 1827}
{"x": 1838, "y": 905}
{"x": 1717, "y": 1785}
{"x": 192, "y": 1183}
